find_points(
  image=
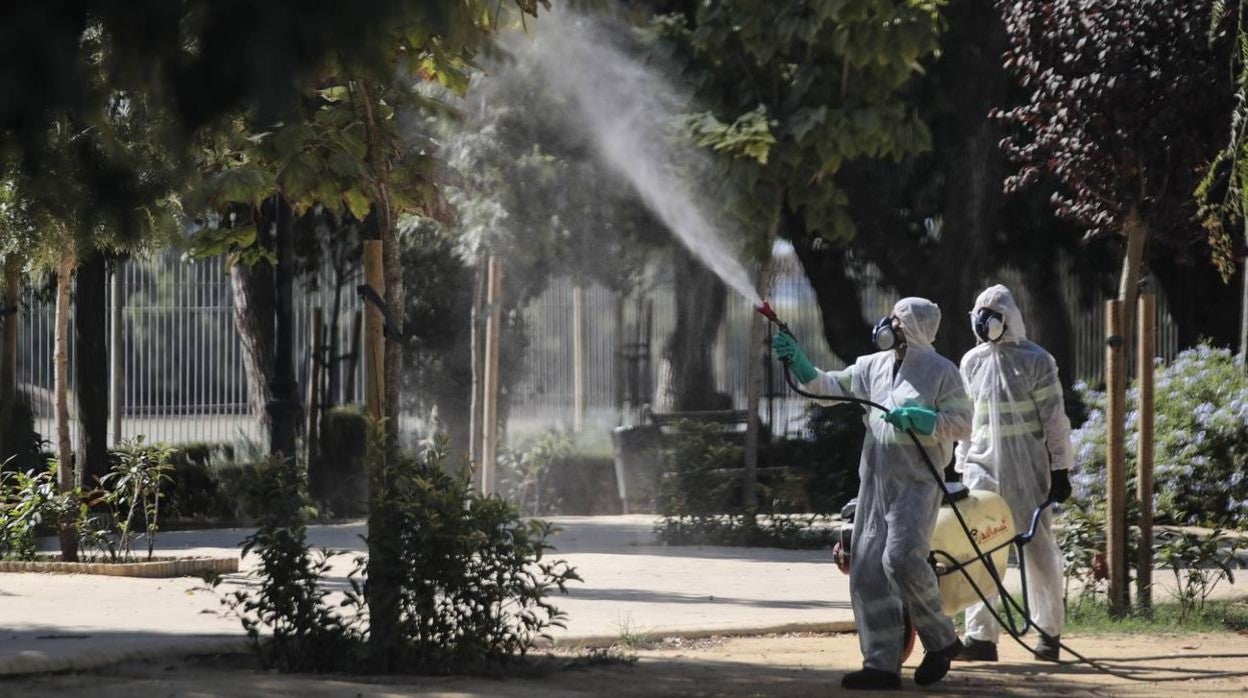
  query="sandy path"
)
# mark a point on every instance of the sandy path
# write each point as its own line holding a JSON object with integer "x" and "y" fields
{"x": 784, "y": 666}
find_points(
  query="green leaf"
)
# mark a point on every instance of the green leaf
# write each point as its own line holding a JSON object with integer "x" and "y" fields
{"x": 357, "y": 203}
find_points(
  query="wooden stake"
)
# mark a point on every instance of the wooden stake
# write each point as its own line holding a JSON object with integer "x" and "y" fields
{"x": 314, "y": 384}
{"x": 374, "y": 338}
{"x": 578, "y": 358}
{"x": 1116, "y": 475}
{"x": 1146, "y": 349}
{"x": 489, "y": 412}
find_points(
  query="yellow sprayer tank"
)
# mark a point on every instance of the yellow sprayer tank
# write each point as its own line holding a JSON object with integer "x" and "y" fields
{"x": 989, "y": 519}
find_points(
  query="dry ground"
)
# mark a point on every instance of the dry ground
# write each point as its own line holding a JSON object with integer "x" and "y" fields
{"x": 786, "y": 666}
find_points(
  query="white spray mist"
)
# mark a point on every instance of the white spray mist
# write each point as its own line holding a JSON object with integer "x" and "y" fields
{"x": 628, "y": 109}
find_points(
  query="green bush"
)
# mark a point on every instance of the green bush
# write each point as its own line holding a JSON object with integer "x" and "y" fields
{"x": 472, "y": 575}
{"x": 1201, "y": 427}
{"x": 698, "y": 468}
{"x": 31, "y": 500}
{"x": 288, "y": 604}
{"x": 523, "y": 473}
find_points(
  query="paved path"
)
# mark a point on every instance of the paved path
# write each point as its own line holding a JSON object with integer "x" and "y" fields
{"x": 632, "y": 587}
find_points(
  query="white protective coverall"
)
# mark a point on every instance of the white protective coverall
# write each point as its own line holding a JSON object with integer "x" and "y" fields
{"x": 898, "y": 499}
{"x": 1020, "y": 433}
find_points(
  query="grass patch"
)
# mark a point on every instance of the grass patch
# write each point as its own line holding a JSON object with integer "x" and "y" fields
{"x": 1217, "y": 616}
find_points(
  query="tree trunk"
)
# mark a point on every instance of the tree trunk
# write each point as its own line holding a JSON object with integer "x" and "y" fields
{"x": 838, "y": 296}
{"x": 382, "y": 592}
{"x": 64, "y": 448}
{"x": 91, "y": 367}
{"x": 11, "y": 315}
{"x": 283, "y": 406}
{"x": 1136, "y": 232}
{"x": 688, "y": 382}
{"x": 254, "y": 301}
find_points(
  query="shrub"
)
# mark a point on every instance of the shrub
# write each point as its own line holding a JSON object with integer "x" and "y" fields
{"x": 133, "y": 488}
{"x": 1201, "y": 428}
{"x": 30, "y": 500}
{"x": 700, "y": 469}
{"x": 473, "y": 574}
{"x": 524, "y": 472}
{"x": 288, "y": 603}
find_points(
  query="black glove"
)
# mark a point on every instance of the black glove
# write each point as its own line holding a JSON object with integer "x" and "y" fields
{"x": 1059, "y": 486}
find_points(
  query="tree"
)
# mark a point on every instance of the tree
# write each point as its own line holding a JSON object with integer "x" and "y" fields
{"x": 1223, "y": 192}
{"x": 1127, "y": 99}
{"x": 797, "y": 91}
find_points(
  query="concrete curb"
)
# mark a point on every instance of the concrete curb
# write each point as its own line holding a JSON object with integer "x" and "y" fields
{"x": 189, "y": 567}
{"x": 34, "y": 662}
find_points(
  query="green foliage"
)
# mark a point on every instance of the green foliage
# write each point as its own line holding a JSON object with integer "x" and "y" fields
{"x": 796, "y": 532}
{"x": 1201, "y": 427}
{"x": 472, "y": 575}
{"x": 1200, "y": 563}
{"x": 1082, "y": 542}
{"x": 288, "y": 605}
{"x": 1223, "y": 191}
{"x": 748, "y": 137}
{"x": 699, "y": 472}
{"x": 29, "y": 500}
{"x": 523, "y": 473}
{"x": 133, "y": 487}
{"x": 821, "y": 81}
{"x": 1219, "y": 616}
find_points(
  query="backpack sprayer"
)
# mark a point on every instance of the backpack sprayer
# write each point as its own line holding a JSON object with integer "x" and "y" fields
{"x": 963, "y": 567}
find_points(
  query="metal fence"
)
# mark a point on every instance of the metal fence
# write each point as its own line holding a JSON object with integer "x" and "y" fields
{"x": 182, "y": 377}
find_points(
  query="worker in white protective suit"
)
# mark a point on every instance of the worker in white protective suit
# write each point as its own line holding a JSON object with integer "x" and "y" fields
{"x": 1020, "y": 448}
{"x": 898, "y": 499}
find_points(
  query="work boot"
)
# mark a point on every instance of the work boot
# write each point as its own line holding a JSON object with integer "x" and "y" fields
{"x": 977, "y": 651}
{"x": 869, "y": 679}
{"x": 936, "y": 664}
{"x": 1049, "y": 647}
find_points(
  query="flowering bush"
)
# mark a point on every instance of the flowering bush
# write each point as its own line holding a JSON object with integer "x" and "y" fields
{"x": 1201, "y": 428}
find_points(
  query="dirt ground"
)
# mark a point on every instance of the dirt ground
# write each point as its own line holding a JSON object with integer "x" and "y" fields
{"x": 784, "y": 666}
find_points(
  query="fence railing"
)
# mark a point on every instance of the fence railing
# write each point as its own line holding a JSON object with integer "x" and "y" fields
{"x": 182, "y": 377}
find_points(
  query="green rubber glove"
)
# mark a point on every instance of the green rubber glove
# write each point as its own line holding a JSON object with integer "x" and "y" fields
{"x": 784, "y": 346}
{"x": 921, "y": 420}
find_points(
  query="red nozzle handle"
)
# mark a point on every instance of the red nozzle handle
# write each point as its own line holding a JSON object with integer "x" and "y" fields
{"x": 765, "y": 310}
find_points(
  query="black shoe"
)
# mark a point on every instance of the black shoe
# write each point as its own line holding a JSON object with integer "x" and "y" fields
{"x": 977, "y": 651}
{"x": 936, "y": 664}
{"x": 1049, "y": 648}
{"x": 870, "y": 679}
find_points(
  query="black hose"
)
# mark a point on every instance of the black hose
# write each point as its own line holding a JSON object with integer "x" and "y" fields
{"x": 1011, "y": 604}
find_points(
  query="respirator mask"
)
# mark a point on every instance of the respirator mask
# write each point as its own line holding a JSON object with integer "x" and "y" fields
{"x": 988, "y": 325}
{"x": 885, "y": 336}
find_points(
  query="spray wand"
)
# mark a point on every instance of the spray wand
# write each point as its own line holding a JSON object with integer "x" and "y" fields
{"x": 765, "y": 310}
